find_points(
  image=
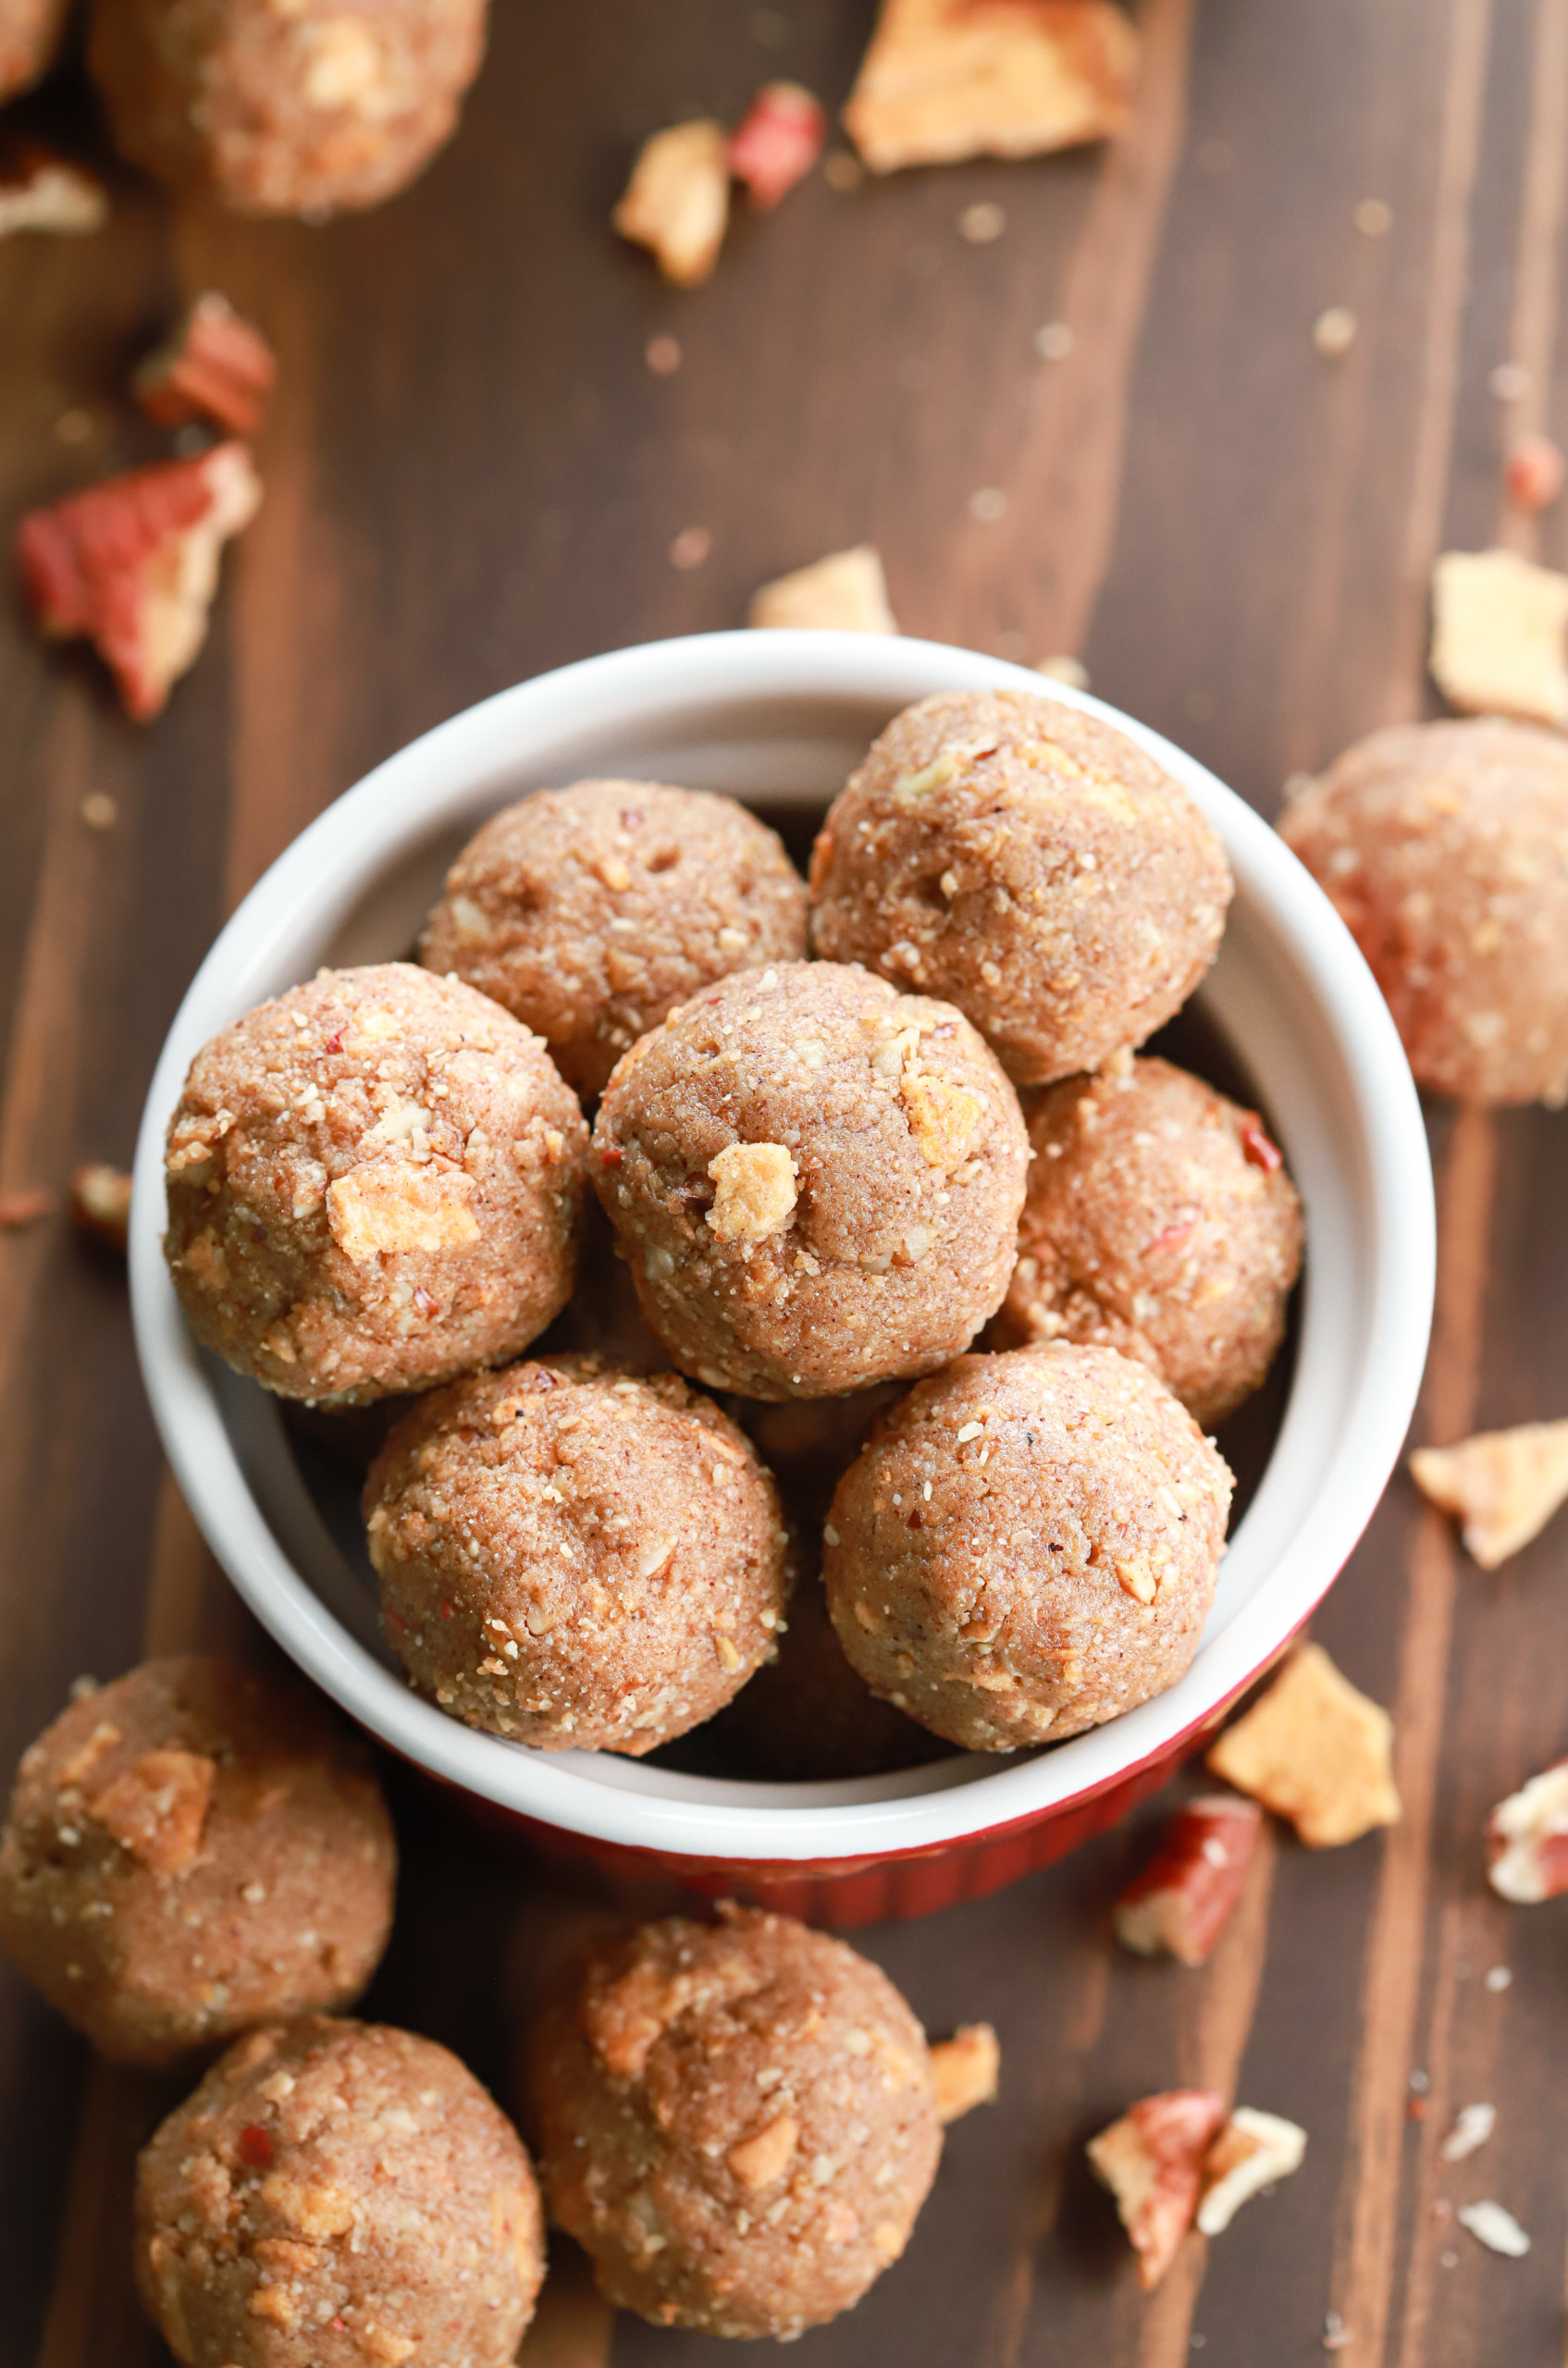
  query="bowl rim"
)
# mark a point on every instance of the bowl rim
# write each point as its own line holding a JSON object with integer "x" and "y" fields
{"x": 325, "y": 871}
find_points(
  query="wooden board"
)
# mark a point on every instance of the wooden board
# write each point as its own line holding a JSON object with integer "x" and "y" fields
{"x": 472, "y": 476}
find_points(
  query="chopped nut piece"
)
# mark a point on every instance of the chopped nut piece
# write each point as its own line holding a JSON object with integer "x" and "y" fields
{"x": 778, "y": 144}
{"x": 1528, "y": 1841}
{"x": 156, "y": 1810}
{"x": 1183, "y": 1899}
{"x": 755, "y": 1192}
{"x": 1498, "y": 633}
{"x": 40, "y": 191}
{"x": 677, "y": 201}
{"x": 1251, "y": 2151}
{"x": 398, "y": 1205}
{"x": 1503, "y": 1486}
{"x": 1472, "y": 2126}
{"x": 1534, "y": 474}
{"x": 846, "y": 591}
{"x": 216, "y": 366}
{"x": 1153, "y": 2161}
{"x": 132, "y": 564}
{"x": 948, "y": 79}
{"x": 760, "y": 2162}
{"x": 1495, "y": 2227}
{"x": 101, "y": 1204}
{"x": 964, "y": 2069}
{"x": 1315, "y": 1751}
{"x": 24, "y": 1205}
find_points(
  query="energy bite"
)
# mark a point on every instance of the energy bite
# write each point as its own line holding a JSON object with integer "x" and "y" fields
{"x": 300, "y": 108}
{"x": 190, "y": 1849}
{"x": 1028, "y": 1546}
{"x": 339, "y": 2195}
{"x": 374, "y": 1183}
{"x": 1159, "y": 1220}
{"x": 814, "y": 1179}
{"x": 737, "y": 2122}
{"x": 1444, "y": 847}
{"x": 590, "y": 912}
{"x": 1031, "y": 865}
{"x": 29, "y": 36}
{"x": 576, "y": 1557}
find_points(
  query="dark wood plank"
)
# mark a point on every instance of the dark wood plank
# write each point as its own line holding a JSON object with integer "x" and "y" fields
{"x": 472, "y": 476}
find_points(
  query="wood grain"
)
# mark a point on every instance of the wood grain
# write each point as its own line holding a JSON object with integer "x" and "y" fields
{"x": 471, "y": 476}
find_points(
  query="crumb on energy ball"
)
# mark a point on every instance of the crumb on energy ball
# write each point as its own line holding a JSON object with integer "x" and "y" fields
{"x": 297, "y": 109}
{"x": 1444, "y": 847}
{"x": 190, "y": 1849}
{"x": 1159, "y": 1220}
{"x": 1028, "y": 1546}
{"x": 1031, "y": 865}
{"x": 339, "y": 2195}
{"x": 590, "y": 912}
{"x": 374, "y": 1184}
{"x": 737, "y": 2120}
{"x": 576, "y": 1557}
{"x": 815, "y": 1181}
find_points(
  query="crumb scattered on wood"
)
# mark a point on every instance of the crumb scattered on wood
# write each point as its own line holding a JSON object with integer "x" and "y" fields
{"x": 1503, "y": 1487}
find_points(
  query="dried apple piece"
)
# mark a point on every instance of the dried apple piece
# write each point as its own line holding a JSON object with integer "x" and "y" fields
{"x": 216, "y": 366}
{"x": 846, "y": 591}
{"x": 1503, "y": 1487}
{"x": 131, "y": 564}
{"x": 1314, "y": 1750}
{"x": 1500, "y": 636}
{"x": 944, "y": 79}
{"x": 965, "y": 2071}
{"x": 100, "y": 1203}
{"x": 677, "y": 201}
{"x": 42, "y": 191}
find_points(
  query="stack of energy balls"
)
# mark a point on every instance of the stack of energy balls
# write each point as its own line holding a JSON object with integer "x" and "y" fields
{"x": 825, "y": 1176}
{"x": 839, "y": 1129}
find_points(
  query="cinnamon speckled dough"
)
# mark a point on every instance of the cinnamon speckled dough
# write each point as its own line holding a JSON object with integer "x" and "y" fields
{"x": 301, "y": 108}
{"x": 576, "y": 1557}
{"x": 1031, "y": 865}
{"x": 190, "y": 1849}
{"x": 1028, "y": 1546}
{"x": 737, "y": 2122}
{"x": 30, "y": 35}
{"x": 1444, "y": 847}
{"x": 1158, "y": 1221}
{"x": 590, "y": 912}
{"x": 339, "y": 2195}
{"x": 814, "y": 1182}
{"x": 374, "y": 1183}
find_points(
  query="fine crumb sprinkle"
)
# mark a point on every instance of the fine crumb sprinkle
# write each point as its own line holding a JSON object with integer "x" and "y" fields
{"x": 1374, "y": 218}
{"x": 1473, "y": 2125}
{"x": 981, "y": 224}
{"x": 1500, "y": 1977}
{"x": 1493, "y": 2225}
{"x": 690, "y": 547}
{"x": 1054, "y": 340}
{"x": 1333, "y": 332}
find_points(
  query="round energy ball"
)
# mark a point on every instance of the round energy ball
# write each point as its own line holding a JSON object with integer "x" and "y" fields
{"x": 1028, "y": 1546}
{"x": 30, "y": 37}
{"x": 1159, "y": 1221}
{"x": 737, "y": 2122}
{"x": 299, "y": 109}
{"x": 339, "y": 2195}
{"x": 576, "y": 1558}
{"x": 190, "y": 1849}
{"x": 1444, "y": 847}
{"x": 590, "y": 912}
{"x": 1031, "y": 865}
{"x": 374, "y": 1183}
{"x": 815, "y": 1181}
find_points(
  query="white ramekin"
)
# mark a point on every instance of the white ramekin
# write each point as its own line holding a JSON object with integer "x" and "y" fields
{"x": 781, "y": 717}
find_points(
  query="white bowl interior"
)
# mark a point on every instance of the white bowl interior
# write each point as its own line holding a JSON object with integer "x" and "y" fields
{"x": 779, "y": 719}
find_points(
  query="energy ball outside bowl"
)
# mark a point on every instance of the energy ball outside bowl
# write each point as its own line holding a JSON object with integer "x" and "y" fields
{"x": 576, "y": 1558}
{"x": 374, "y": 1183}
{"x": 590, "y": 912}
{"x": 30, "y": 37}
{"x": 1029, "y": 1546}
{"x": 1444, "y": 847}
{"x": 1159, "y": 1221}
{"x": 296, "y": 109}
{"x": 1031, "y": 865}
{"x": 737, "y": 2122}
{"x": 339, "y": 2195}
{"x": 815, "y": 1179}
{"x": 190, "y": 1849}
